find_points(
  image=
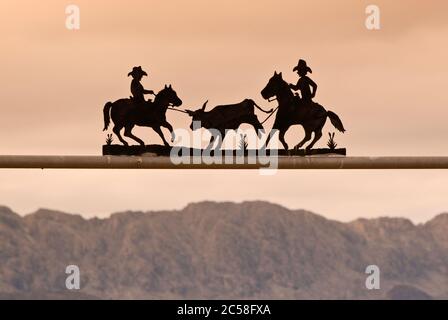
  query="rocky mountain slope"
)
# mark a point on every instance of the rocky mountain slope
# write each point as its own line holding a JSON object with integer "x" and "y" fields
{"x": 221, "y": 250}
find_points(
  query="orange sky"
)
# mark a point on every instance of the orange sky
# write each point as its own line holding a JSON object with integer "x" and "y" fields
{"x": 388, "y": 87}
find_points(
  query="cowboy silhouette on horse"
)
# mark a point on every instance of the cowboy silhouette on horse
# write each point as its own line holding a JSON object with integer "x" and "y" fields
{"x": 294, "y": 109}
{"x": 305, "y": 84}
{"x": 136, "y": 111}
{"x": 137, "y": 89}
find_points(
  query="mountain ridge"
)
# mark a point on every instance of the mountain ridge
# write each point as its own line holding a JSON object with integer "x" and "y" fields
{"x": 245, "y": 250}
{"x": 441, "y": 217}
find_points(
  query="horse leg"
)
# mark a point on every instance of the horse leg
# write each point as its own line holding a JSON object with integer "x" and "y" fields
{"x": 281, "y": 138}
{"x": 116, "y": 130}
{"x": 317, "y": 132}
{"x": 268, "y": 139}
{"x": 317, "y": 136}
{"x": 160, "y": 133}
{"x": 128, "y": 133}
{"x": 170, "y": 128}
{"x": 305, "y": 139}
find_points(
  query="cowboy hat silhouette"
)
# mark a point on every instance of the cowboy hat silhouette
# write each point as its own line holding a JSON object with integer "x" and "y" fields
{"x": 302, "y": 66}
{"x": 137, "y": 72}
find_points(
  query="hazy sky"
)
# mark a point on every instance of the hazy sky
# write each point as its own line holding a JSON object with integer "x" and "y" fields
{"x": 388, "y": 86}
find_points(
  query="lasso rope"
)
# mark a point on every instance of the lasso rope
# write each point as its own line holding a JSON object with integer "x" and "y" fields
{"x": 183, "y": 111}
{"x": 178, "y": 110}
{"x": 273, "y": 111}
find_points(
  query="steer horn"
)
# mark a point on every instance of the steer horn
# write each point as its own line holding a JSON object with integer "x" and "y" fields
{"x": 204, "y": 105}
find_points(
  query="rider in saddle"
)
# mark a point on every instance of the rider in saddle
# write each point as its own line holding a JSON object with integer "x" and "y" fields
{"x": 137, "y": 90}
{"x": 304, "y": 84}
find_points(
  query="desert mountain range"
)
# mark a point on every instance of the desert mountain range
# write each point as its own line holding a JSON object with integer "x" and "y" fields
{"x": 210, "y": 250}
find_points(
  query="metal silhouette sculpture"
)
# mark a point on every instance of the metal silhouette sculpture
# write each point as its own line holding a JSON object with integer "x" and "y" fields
{"x": 305, "y": 84}
{"x": 292, "y": 110}
{"x": 226, "y": 117}
{"x": 126, "y": 113}
{"x": 137, "y": 89}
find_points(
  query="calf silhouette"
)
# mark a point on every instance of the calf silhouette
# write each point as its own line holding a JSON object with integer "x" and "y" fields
{"x": 226, "y": 117}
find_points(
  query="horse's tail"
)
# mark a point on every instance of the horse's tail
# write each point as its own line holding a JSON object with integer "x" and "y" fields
{"x": 335, "y": 121}
{"x": 106, "y": 113}
{"x": 259, "y": 108}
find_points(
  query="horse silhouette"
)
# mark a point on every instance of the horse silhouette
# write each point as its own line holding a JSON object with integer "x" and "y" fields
{"x": 292, "y": 111}
{"x": 125, "y": 113}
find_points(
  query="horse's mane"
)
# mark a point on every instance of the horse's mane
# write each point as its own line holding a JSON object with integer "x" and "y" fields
{"x": 286, "y": 86}
{"x": 158, "y": 95}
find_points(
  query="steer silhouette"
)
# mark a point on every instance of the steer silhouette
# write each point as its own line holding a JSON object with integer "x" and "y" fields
{"x": 226, "y": 117}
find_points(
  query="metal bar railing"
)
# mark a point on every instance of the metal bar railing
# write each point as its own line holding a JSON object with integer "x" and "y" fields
{"x": 282, "y": 162}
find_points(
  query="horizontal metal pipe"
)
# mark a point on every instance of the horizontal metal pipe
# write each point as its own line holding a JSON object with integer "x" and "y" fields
{"x": 136, "y": 162}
